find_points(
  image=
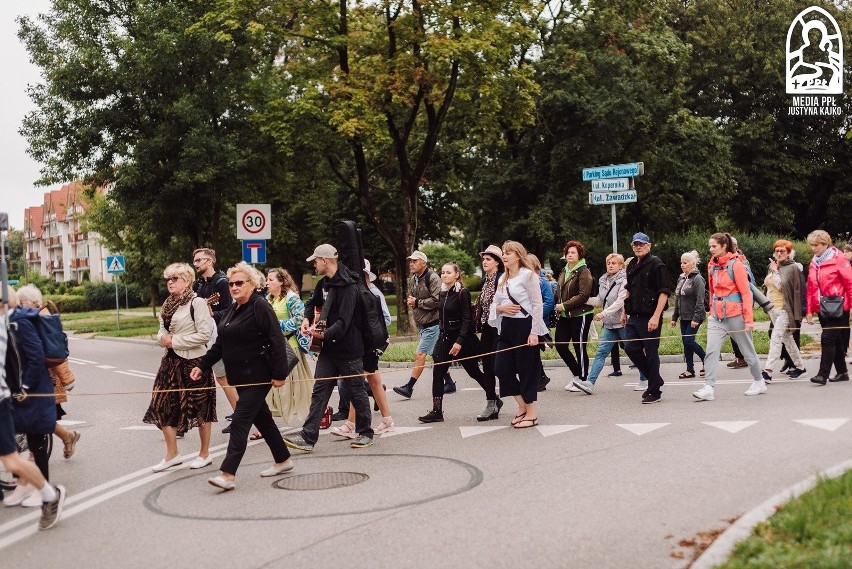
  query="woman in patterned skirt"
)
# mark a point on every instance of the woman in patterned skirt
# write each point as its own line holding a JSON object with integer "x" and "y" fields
{"x": 294, "y": 399}
{"x": 186, "y": 327}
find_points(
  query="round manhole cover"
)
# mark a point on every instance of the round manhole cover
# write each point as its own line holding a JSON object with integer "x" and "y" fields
{"x": 321, "y": 481}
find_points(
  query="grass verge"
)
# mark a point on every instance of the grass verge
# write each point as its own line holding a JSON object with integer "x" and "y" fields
{"x": 813, "y": 530}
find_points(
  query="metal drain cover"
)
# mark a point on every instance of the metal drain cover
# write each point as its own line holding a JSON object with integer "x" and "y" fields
{"x": 321, "y": 481}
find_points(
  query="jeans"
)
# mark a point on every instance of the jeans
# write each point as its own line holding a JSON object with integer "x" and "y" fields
{"x": 353, "y": 387}
{"x": 690, "y": 345}
{"x": 834, "y": 343}
{"x": 642, "y": 348}
{"x": 607, "y": 342}
{"x": 717, "y": 331}
{"x": 252, "y": 408}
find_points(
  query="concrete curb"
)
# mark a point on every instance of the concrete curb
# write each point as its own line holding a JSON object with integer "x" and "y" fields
{"x": 720, "y": 549}
{"x": 141, "y": 341}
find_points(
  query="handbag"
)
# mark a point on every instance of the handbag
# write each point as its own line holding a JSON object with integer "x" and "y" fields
{"x": 830, "y": 307}
{"x": 476, "y": 316}
{"x": 543, "y": 339}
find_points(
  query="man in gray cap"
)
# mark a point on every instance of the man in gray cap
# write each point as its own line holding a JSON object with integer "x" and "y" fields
{"x": 336, "y": 295}
{"x": 425, "y": 287}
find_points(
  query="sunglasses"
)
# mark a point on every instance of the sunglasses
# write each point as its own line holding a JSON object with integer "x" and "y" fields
{"x": 171, "y": 279}
{"x": 236, "y": 283}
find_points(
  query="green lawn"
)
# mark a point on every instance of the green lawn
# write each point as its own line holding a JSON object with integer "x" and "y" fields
{"x": 812, "y": 531}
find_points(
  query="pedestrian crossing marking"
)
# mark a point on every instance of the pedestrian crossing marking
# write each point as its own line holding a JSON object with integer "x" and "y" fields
{"x": 145, "y": 375}
{"x": 81, "y": 361}
{"x": 473, "y": 431}
{"x": 403, "y": 431}
{"x": 141, "y": 428}
{"x": 642, "y": 428}
{"x": 550, "y": 430}
{"x": 67, "y": 423}
{"x": 106, "y": 367}
{"x": 731, "y": 426}
{"x": 825, "y": 424}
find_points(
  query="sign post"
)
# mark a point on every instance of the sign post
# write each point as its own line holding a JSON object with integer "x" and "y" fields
{"x": 613, "y": 185}
{"x": 115, "y": 266}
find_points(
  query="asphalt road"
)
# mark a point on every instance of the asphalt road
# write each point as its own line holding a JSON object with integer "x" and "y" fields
{"x": 602, "y": 482}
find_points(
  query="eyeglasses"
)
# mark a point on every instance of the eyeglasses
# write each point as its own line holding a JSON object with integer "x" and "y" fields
{"x": 238, "y": 284}
{"x": 780, "y": 250}
{"x": 637, "y": 244}
{"x": 171, "y": 279}
{"x": 201, "y": 260}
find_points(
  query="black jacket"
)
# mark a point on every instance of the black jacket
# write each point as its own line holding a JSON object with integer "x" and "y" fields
{"x": 454, "y": 313}
{"x": 646, "y": 280}
{"x": 343, "y": 338}
{"x": 205, "y": 288}
{"x": 250, "y": 343}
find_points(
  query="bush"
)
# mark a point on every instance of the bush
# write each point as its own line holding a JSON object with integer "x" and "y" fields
{"x": 67, "y": 303}
{"x": 442, "y": 254}
{"x": 472, "y": 283}
{"x": 101, "y": 296}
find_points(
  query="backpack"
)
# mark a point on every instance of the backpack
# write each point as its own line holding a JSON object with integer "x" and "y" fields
{"x": 374, "y": 331}
{"x": 53, "y": 338}
{"x": 757, "y": 295}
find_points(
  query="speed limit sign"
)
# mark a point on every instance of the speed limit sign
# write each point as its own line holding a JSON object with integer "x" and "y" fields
{"x": 254, "y": 221}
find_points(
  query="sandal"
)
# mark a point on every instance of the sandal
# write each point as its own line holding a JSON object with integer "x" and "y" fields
{"x": 532, "y": 423}
{"x": 687, "y": 375}
{"x": 701, "y": 373}
{"x": 518, "y": 419}
{"x": 255, "y": 436}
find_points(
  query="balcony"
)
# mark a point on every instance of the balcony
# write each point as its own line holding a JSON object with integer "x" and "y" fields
{"x": 53, "y": 241}
{"x": 78, "y": 236}
{"x": 54, "y": 266}
{"x": 33, "y": 256}
{"x": 80, "y": 263}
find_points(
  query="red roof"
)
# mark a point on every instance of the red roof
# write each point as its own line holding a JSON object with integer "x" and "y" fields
{"x": 33, "y": 219}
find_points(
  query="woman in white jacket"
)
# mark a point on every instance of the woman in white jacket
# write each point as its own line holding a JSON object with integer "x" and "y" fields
{"x": 516, "y": 313}
{"x": 185, "y": 329}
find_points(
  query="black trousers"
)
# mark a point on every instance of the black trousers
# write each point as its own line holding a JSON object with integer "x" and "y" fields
{"x": 252, "y": 408}
{"x": 487, "y": 344}
{"x": 38, "y": 447}
{"x": 442, "y": 358}
{"x": 352, "y": 387}
{"x": 576, "y": 330}
{"x": 519, "y": 369}
{"x": 834, "y": 343}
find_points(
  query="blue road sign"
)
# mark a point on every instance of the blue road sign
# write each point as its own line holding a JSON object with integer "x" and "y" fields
{"x": 115, "y": 264}
{"x": 254, "y": 252}
{"x": 613, "y": 171}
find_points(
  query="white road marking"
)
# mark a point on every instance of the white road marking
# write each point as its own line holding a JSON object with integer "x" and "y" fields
{"x": 146, "y": 376}
{"x": 642, "y": 428}
{"x": 550, "y": 430}
{"x": 141, "y": 428}
{"x": 826, "y": 424}
{"x": 106, "y": 367}
{"x": 403, "y": 431}
{"x": 81, "y": 361}
{"x": 148, "y": 373}
{"x": 67, "y": 423}
{"x": 473, "y": 431}
{"x": 731, "y": 426}
{"x": 700, "y": 383}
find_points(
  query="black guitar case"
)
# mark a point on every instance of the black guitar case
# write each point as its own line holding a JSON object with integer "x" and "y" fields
{"x": 350, "y": 247}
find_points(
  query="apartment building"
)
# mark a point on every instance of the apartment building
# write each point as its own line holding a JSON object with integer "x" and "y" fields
{"x": 55, "y": 244}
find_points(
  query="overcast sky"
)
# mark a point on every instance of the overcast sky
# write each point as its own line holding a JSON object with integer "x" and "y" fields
{"x": 19, "y": 170}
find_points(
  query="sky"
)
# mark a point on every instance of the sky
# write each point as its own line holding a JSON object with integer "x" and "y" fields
{"x": 19, "y": 170}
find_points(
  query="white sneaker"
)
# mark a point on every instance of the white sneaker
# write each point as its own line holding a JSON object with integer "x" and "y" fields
{"x": 21, "y": 493}
{"x": 757, "y": 387}
{"x": 346, "y": 430}
{"x": 384, "y": 427}
{"x": 572, "y": 388}
{"x": 641, "y": 386}
{"x": 706, "y": 393}
{"x": 33, "y": 500}
{"x": 585, "y": 386}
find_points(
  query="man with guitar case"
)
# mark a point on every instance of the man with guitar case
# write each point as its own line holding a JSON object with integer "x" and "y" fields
{"x": 342, "y": 349}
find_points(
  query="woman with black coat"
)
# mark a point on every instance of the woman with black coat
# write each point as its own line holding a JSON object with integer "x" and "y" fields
{"x": 455, "y": 340}
{"x": 253, "y": 349}
{"x": 492, "y": 270}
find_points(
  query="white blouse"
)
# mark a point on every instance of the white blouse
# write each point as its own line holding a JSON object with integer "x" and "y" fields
{"x": 526, "y": 290}
{"x": 189, "y": 338}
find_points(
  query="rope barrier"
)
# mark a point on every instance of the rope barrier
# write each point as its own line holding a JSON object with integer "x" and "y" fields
{"x": 429, "y": 365}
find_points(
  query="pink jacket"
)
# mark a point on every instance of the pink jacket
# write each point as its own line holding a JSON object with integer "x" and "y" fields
{"x": 722, "y": 287}
{"x": 832, "y": 278}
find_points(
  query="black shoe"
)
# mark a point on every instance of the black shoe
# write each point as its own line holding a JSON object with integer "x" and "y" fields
{"x": 542, "y": 383}
{"x": 645, "y": 394}
{"x": 632, "y": 366}
{"x": 652, "y": 398}
{"x": 227, "y": 429}
{"x": 340, "y": 416}
{"x": 818, "y": 379}
{"x": 229, "y": 417}
{"x": 767, "y": 377}
{"x": 786, "y": 366}
{"x": 615, "y": 374}
{"x": 180, "y": 434}
{"x": 795, "y": 373}
{"x": 839, "y": 377}
{"x": 375, "y": 405}
{"x": 450, "y": 387}
{"x": 405, "y": 390}
{"x": 432, "y": 417}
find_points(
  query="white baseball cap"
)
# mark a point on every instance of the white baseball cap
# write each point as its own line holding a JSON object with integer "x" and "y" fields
{"x": 324, "y": 251}
{"x": 370, "y": 274}
{"x": 420, "y": 256}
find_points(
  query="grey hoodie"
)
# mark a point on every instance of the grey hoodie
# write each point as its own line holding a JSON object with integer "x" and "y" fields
{"x": 611, "y": 298}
